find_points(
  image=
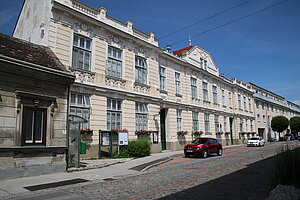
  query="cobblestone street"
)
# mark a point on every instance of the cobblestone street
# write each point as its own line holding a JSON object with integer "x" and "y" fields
{"x": 235, "y": 175}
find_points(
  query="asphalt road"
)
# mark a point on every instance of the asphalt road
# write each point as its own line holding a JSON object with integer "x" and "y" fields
{"x": 241, "y": 173}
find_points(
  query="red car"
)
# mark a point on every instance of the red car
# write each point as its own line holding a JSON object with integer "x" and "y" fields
{"x": 203, "y": 147}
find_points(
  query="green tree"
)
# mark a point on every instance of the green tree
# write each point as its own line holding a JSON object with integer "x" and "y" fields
{"x": 295, "y": 124}
{"x": 279, "y": 124}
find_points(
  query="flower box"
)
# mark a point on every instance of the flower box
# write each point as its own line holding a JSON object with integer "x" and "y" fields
{"x": 182, "y": 133}
{"x": 198, "y": 133}
{"x": 143, "y": 132}
{"x": 117, "y": 130}
{"x": 86, "y": 131}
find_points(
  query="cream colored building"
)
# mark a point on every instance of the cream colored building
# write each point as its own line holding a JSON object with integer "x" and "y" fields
{"x": 269, "y": 105}
{"x": 125, "y": 80}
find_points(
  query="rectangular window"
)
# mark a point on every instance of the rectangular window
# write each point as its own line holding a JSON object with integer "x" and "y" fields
{"x": 114, "y": 114}
{"x": 245, "y": 104}
{"x": 195, "y": 121}
{"x": 194, "y": 88}
{"x": 250, "y": 104}
{"x": 205, "y": 91}
{"x": 251, "y": 125}
{"x": 34, "y": 126}
{"x": 141, "y": 70}
{"x": 162, "y": 78}
{"x": 177, "y": 83}
{"x": 215, "y": 94}
{"x": 206, "y": 124}
{"x": 81, "y": 56}
{"x": 114, "y": 62}
{"x": 217, "y": 124}
{"x": 80, "y": 106}
{"x": 205, "y": 64}
{"x": 179, "y": 120}
{"x": 223, "y": 98}
{"x": 225, "y": 124}
{"x": 141, "y": 116}
{"x": 239, "y": 102}
{"x": 230, "y": 99}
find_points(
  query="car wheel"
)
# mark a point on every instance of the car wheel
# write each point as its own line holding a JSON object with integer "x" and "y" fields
{"x": 186, "y": 155}
{"x": 220, "y": 152}
{"x": 204, "y": 154}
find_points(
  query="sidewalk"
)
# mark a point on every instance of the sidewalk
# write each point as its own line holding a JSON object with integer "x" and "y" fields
{"x": 94, "y": 170}
{"x": 117, "y": 167}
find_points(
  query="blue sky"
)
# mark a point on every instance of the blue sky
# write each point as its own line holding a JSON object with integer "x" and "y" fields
{"x": 263, "y": 48}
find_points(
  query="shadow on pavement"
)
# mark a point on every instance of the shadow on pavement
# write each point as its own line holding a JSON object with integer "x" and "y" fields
{"x": 251, "y": 182}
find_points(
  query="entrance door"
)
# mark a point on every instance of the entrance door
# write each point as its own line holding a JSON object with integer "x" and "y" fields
{"x": 163, "y": 129}
{"x": 231, "y": 128}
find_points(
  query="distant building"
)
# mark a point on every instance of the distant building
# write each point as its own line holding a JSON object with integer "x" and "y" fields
{"x": 124, "y": 80}
{"x": 269, "y": 105}
{"x": 33, "y": 109}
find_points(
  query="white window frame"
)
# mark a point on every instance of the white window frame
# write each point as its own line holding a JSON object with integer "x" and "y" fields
{"x": 114, "y": 62}
{"x": 141, "y": 116}
{"x": 179, "y": 119}
{"x": 223, "y": 98}
{"x": 141, "y": 70}
{"x": 81, "y": 53}
{"x": 207, "y": 124}
{"x": 195, "y": 119}
{"x": 162, "y": 78}
{"x": 80, "y": 105}
{"x": 215, "y": 94}
{"x": 239, "y": 102}
{"x": 205, "y": 91}
{"x": 177, "y": 83}
{"x": 114, "y": 114}
{"x": 194, "y": 88}
{"x": 217, "y": 124}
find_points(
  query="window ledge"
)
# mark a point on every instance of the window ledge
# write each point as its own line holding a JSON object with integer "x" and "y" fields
{"x": 115, "y": 78}
{"x": 163, "y": 91}
{"x": 178, "y": 95}
{"x": 141, "y": 84}
{"x": 81, "y": 70}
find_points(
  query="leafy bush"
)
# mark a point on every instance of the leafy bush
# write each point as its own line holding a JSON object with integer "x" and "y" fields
{"x": 286, "y": 169}
{"x": 123, "y": 152}
{"x": 138, "y": 148}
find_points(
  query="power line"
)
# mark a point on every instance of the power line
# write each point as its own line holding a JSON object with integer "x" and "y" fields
{"x": 230, "y": 22}
{"x": 205, "y": 19}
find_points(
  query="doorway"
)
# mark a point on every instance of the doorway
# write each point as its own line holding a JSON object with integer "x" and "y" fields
{"x": 163, "y": 129}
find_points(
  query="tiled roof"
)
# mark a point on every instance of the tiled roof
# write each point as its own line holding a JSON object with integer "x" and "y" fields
{"x": 29, "y": 52}
{"x": 179, "y": 51}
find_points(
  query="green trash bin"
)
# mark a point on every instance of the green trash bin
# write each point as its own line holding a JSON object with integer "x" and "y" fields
{"x": 82, "y": 147}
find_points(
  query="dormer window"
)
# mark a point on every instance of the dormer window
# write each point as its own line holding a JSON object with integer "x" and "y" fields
{"x": 205, "y": 64}
{"x": 201, "y": 63}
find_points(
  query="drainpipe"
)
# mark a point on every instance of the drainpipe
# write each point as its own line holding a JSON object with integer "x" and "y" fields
{"x": 68, "y": 127}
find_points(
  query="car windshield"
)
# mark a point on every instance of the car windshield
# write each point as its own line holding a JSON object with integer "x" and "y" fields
{"x": 200, "y": 141}
{"x": 254, "y": 138}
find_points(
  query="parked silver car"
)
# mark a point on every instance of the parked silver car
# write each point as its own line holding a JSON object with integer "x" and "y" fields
{"x": 256, "y": 142}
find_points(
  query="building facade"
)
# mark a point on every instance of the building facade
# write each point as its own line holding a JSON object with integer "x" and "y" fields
{"x": 124, "y": 80}
{"x": 33, "y": 109}
{"x": 269, "y": 105}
